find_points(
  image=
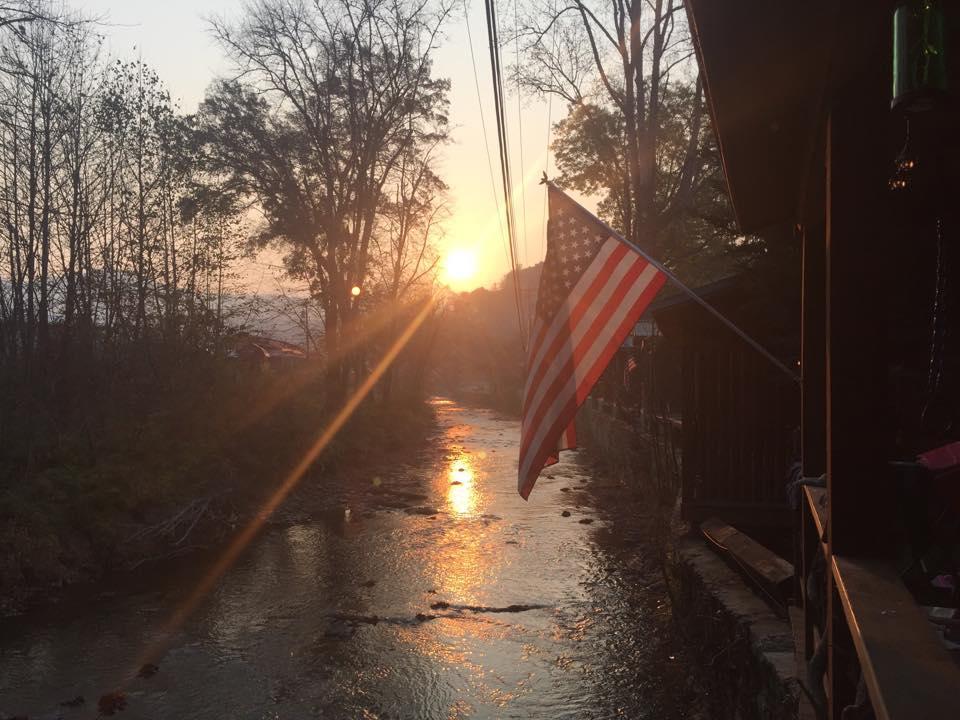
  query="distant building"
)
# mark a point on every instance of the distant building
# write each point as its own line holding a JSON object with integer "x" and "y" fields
{"x": 266, "y": 352}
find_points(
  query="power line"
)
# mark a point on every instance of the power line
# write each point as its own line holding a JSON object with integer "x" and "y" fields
{"x": 523, "y": 175}
{"x": 483, "y": 125}
{"x": 546, "y": 150}
{"x": 504, "y": 156}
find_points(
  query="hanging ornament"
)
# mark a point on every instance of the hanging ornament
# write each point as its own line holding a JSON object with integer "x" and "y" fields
{"x": 905, "y": 166}
{"x": 920, "y": 81}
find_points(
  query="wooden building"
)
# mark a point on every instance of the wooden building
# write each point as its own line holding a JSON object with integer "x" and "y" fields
{"x": 800, "y": 97}
{"x": 740, "y": 412}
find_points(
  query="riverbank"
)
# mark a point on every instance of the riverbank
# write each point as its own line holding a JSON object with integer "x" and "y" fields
{"x": 170, "y": 473}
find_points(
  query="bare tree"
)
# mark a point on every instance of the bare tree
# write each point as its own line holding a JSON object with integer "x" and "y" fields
{"x": 337, "y": 93}
{"x": 96, "y": 236}
{"x": 627, "y": 58}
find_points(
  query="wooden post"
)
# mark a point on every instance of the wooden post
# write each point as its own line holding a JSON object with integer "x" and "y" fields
{"x": 813, "y": 396}
{"x": 858, "y": 235}
{"x": 691, "y": 426}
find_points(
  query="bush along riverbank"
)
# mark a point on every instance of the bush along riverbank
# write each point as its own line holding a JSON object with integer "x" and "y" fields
{"x": 147, "y": 472}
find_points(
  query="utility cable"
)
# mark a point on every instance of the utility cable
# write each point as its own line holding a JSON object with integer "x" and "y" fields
{"x": 525, "y": 257}
{"x": 504, "y": 156}
{"x": 546, "y": 150}
{"x": 483, "y": 125}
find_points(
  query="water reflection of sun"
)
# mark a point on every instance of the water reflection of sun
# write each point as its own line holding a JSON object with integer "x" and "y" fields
{"x": 462, "y": 492}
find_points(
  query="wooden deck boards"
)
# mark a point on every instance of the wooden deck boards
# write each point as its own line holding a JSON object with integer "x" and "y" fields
{"x": 909, "y": 674}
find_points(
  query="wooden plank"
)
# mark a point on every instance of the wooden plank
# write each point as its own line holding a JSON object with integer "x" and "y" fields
{"x": 765, "y": 564}
{"x": 909, "y": 674}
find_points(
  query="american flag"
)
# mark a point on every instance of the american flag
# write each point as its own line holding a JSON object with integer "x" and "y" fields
{"x": 593, "y": 289}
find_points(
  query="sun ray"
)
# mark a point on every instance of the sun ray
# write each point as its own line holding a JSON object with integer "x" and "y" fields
{"x": 185, "y": 609}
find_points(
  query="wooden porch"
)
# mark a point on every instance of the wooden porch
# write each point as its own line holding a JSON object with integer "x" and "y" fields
{"x": 800, "y": 97}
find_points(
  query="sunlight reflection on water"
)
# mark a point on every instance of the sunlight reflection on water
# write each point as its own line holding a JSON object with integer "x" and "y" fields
{"x": 461, "y": 477}
{"x": 462, "y": 493}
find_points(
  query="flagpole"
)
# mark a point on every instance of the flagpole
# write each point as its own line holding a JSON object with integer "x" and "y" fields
{"x": 729, "y": 324}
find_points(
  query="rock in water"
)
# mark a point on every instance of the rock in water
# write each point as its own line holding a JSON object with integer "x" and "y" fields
{"x": 565, "y": 513}
{"x": 112, "y": 703}
{"x": 148, "y": 670}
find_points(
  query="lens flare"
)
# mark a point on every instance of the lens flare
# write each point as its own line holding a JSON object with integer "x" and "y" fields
{"x": 240, "y": 541}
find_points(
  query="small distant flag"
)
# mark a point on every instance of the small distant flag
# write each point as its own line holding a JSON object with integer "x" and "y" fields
{"x": 628, "y": 368}
{"x": 593, "y": 289}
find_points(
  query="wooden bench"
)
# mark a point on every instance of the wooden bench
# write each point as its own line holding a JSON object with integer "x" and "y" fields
{"x": 761, "y": 565}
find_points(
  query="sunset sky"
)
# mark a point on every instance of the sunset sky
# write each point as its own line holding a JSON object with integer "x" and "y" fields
{"x": 172, "y": 36}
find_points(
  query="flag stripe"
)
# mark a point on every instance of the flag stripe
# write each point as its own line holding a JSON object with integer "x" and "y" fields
{"x": 569, "y": 329}
{"x": 531, "y": 469}
{"x": 569, "y": 392}
{"x": 610, "y": 254}
{"x": 593, "y": 288}
{"x": 606, "y": 281}
{"x": 653, "y": 286}
{"x": 568, "y": 411}
{"x": 583, "y": 339}
{"x": 573, "y": 386}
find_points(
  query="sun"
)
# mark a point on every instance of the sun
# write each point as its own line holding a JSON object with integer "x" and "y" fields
{"x": 461, "y": 265}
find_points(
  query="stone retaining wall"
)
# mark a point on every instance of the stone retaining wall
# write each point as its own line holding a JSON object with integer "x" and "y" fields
{"x": 747, "y": 652}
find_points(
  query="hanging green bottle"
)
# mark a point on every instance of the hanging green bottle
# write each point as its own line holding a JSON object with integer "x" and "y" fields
{"x": 920, "y": 81}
